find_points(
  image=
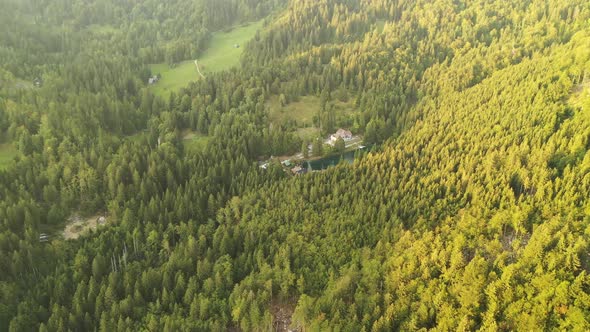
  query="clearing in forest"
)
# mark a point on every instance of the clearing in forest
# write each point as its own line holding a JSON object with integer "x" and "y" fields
{"x": 194, "y": 141}
{"x": 226, "y": 47}
{"x": 173, "y": 78}
{"x": 78, "y": 226}
{"x": 303, "y": 111}
{"x": 580, "y": 94}
{"x": 7, "y": 153}
{"x": 282, "y": 314}
{"x": 224, "y": 52}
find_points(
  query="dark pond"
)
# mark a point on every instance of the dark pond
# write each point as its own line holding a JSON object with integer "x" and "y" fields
{"x": 321, "y": 164}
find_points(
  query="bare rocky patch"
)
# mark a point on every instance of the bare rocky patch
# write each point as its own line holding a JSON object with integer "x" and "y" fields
{"x": 78, "y": 226}
{"x": 282, "y": 314}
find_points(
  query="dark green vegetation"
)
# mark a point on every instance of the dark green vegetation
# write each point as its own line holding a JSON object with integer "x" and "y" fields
{"x": 474, "y": 214}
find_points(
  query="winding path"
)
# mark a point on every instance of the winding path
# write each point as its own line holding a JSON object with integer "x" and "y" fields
{"x": 197, "y": 64}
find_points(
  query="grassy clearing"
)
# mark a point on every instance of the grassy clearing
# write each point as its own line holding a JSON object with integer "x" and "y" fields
{"x": 303, "y": 111}
{"x": 220, "y": 55}
{"x": 194, "y": 141}
{"x": 380, "y": 25}
{"x": 308, "y": 133}
{"x": 580, "y": 95}
{"x": 344, "y": 108}
{"x": 12, "y": 85}
{"x": 173, "y": 79}
{"x": 137, "y": 137}
{"x": 102, "y": 29}
{"x": 7, "y": 153}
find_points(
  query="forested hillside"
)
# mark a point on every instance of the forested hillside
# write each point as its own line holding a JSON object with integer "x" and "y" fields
{"x": 37, "y": 34}
{"x": 470, "y": 213}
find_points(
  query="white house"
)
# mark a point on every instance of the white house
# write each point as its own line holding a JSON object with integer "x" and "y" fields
{"x": 346, "y": 135}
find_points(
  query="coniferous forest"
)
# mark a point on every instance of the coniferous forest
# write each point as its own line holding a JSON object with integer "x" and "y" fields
{"x": 470, "y": 211}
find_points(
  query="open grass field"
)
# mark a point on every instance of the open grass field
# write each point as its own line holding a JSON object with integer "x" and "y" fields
{"x": 194, "y": 142}
{"x": 303, "y": 111}
{"x": 220, "y": 55}
{"x": 7, "y": 153}
{"x": 173, "y": 79}
{"x": 308, "y": 133}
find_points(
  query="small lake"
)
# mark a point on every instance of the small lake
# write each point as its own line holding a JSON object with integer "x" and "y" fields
{"x": 323, "y": 163}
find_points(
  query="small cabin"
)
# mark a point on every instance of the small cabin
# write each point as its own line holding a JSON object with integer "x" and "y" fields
{"x": 153, "y": 79}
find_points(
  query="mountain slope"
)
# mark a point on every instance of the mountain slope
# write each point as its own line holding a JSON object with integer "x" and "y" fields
{"x": 475, "y": 217}
{"x": 472, "y": 212}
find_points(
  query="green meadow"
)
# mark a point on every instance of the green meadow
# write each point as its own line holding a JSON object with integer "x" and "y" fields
{"x": 221, "y": 54}
{"x": 173, "y": 78}
{"x": 7, "y": 153}
{"x": 303, "y": 112}
{"x": 194, "y": 142}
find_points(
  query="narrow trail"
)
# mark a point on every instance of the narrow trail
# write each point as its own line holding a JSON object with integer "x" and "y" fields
{"x": 197, "y": 64}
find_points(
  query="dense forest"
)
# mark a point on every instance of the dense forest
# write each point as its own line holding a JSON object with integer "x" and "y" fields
{"x": 471, "y": 212}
